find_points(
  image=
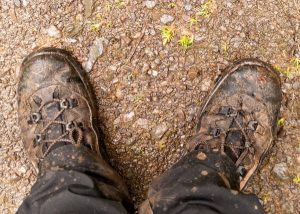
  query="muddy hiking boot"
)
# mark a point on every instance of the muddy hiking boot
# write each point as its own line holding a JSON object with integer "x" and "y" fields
{"x": 239, "y": 116}
{"x": 57, "y": 116}
{"x": 56, "y": 105}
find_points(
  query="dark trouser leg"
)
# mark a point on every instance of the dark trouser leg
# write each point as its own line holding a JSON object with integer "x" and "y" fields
{"x": 74, "y": 180}
{"x": 201, "y": 182}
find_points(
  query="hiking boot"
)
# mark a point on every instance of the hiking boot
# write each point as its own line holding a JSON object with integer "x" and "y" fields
{"x": 239, "y": 116}
{"x": 55, "y": 104}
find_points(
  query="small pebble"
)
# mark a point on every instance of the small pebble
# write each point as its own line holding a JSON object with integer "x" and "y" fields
{"x": 194, "y": 189}
{"x": 17, "y": 3}
{"x": 150, "y": 4}
{"x": 204, "y": 173}
{"x": 52, "y": 31}
{"x": 96, "y": 50}
{"x": 201, "y": 156}
{"x": 188, "y": 7}
{"x": 165, "y": 19}
{"x": 154, "y": 73}
{"x": 128, "y": 117}
{"x": 280, "y": 169}
{"x": 296, "y": 85}
{"x": 143, "y": 123}
{"x": 25, "y": 3}
{"x": 205, "y": 84}
{"x": 158, "y": 131}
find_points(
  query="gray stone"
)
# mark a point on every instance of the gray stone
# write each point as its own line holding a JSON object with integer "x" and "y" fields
{"x": 287, "y": 86}
{"x": 149, "y": 52}
{"x": 157, "y": 61}
{"x": 17, "y": 3}
{"x": 129, "y": 116}
{"x": 188, "y": 7}
{"x": 52, "y": 31}
{"x": 70, "y": 40}
{"x": 165, "y": 19}
{"x": 152, "y": 32}
{"x": 143, "y": 123}
{"x": 24, "y": 3}
{"x": 150, "y": 4}
{"x": 236, "y": 41}
{"x": 158, "y": 131}
{"x": 296, "y": 85}
{"x": 205, "y": 84}
{"x": 96, "y": 50}
{"x": 88, "y": 7}
{"x": 154, "y": 73}
{"x": 280, "y": 170}
{"x": 199, "y": 38}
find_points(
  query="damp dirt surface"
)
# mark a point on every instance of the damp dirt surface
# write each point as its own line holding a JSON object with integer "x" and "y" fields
{"x": 148, "y": 93}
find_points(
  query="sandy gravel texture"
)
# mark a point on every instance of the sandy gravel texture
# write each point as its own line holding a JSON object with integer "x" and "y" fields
{"x": 148, "y": 94}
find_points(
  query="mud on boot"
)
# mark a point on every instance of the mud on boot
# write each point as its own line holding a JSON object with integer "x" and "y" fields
{"x": 239, "y": 117}
{"x": 55, "y": 104}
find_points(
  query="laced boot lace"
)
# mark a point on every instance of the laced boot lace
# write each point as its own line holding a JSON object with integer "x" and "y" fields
{"x": 72, "y": 131}
{"x": 240, "y": 121}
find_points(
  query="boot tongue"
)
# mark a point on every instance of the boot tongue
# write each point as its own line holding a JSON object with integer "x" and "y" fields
{"x": 235, "y": 140}
{"x": 55, "y": 130}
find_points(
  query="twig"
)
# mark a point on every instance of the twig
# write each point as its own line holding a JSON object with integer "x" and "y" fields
{"x": 134, "y": 49}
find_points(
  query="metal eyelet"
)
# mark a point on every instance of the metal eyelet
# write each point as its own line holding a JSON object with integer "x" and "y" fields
{"x": 242, "y": 171}
{"x": 247, "y": 144}
{"x": 80, "y": 124}
{"x": 252, "y": 125}
{"x": 35, "y": 117}
{"x": 226, "y": 110}
{"x": 73, "y": 103}
{"x": 70, "y": 125}
{"x": 37, "y": 140}
{"x": 64, "y": 104}
{"x": 215, "y": 132}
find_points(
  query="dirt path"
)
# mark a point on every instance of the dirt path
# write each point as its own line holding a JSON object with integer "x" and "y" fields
{"x": 149, "y": 93}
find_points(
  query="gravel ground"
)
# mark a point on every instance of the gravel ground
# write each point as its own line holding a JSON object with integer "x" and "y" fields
{"x": 148, "y": 93}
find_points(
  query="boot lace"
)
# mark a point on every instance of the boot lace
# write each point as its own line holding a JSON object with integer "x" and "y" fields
{"x": 72, "y": 132}
{"x": 239, "y": 121}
